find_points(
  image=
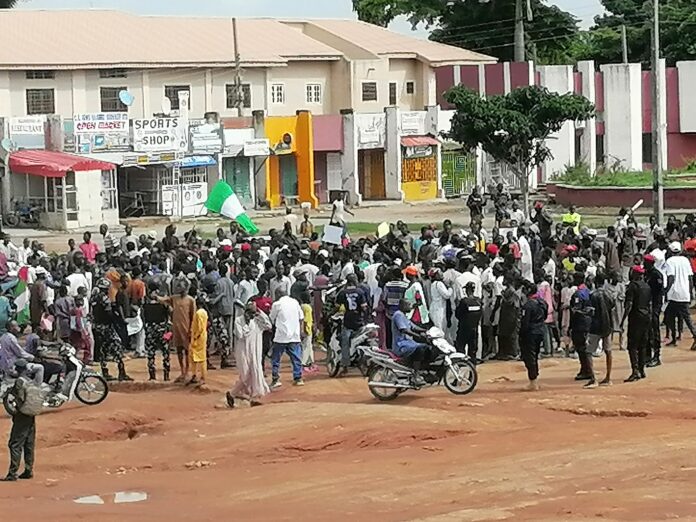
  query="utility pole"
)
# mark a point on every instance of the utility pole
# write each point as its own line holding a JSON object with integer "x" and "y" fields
{"x": 519, "y": 32}
{"x": 658, "y": 182}
{"x": 238, "y": 95}
{"x": 624, "y": 44}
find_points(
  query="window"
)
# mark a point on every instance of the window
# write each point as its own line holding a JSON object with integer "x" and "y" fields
{"x": 110, "y": 102}
{"x": 109, "y": 192}
{"x": 113, "y": 73}
{"x": 41, "y": 75}
{"x": 232, "y": 97}
{"x": 313, "y": 93}
{"x": 172, "y": 92}
{"x": 369, "y": 91}
{"x": 278, "y": 93}
{"x": 392, "y": 93}
{"x": 410, "y": 87}
{"x": 41, "y": 101}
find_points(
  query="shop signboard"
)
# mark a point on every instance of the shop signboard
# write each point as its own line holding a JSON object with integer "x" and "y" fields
{"x": 28, "y": 132}
{"x": 371, "y": 130}
{"x": 101, "y": 132}
{"x": 413, "y": 123}
{"x": 205, "y": 138}
{"x": 160, "y": 134}
{"x": 260, "y": 147}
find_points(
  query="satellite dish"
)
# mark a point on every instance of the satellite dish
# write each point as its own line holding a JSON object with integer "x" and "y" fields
{"x": 166, "y": 105}
{"x": 126, "y": 98}
{"x": 6, "y": 146}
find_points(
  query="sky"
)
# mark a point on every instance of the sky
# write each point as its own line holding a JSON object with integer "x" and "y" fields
{"x": 585, "y": 10}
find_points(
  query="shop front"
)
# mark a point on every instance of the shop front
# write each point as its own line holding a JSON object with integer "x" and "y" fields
{"x": 371, "y": 142}
{"x": 237, "y": 168}
{"x": 64, "y": 186}
{"x": 419, "y": 167}
{"x": 328, "y": 149}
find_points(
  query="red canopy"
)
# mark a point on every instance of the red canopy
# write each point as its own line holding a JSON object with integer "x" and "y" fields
{"x": 50, "y": 164}
{"x": 418, "y": 141}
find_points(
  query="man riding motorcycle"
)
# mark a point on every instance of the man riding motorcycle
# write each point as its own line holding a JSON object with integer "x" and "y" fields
{"x": 403, "y": 343}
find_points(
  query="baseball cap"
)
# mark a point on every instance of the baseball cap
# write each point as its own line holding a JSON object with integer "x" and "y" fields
{"x": 411, "y": 270}
{"x": 675, "y": 247}
{"x": 649, "y": 258}
{"x": 492, "y": 249}
{"x": 638, "y": 269}
{"x": 572, "y": 248}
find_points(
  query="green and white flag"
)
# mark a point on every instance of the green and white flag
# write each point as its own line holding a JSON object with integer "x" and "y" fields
{"x": 223, "y": 200}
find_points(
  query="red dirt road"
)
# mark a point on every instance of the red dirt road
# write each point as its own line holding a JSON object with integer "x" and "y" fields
{"x": 329, "y": 451}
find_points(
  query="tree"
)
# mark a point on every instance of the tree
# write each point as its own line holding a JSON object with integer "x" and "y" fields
{"x": 514, "y": 128}
{"x": 8, "y": 4}
{"x": 485, "y": 27}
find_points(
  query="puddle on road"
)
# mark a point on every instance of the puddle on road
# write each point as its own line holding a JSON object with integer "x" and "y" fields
{"x": 120, "y": 497}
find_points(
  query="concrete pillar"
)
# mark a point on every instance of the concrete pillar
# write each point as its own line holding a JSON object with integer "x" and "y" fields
{"x": 429, "y": 82}
{"x": 558, "y": 79}
{"x": 79, "y": 92}
{"x": 145, "y": 89}
{"x": 261, "y": 167}
{"x": 208, "y": 90}
{"x": 392, "y": 155}
{"x": 431, "y": 127}
{"x": 507, "y": 83}
{"x": 5, "y": 98}
{"x": 588, "y": 140}
{"x": 349, "y": 158}
{"x": 623, "y": 115}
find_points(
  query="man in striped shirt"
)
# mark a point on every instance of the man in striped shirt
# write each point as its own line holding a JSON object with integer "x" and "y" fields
{"x": 109, "y": 240}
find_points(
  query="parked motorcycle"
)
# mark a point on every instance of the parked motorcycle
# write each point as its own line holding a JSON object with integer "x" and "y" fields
{"x": 365, "y": 338}
{"x": 23, "y": 213}
{"x": 389, "y": 377}
{"x": 80, "y": 382}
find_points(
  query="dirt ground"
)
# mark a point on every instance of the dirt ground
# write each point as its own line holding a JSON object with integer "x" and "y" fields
{"x": 329, "y": 451}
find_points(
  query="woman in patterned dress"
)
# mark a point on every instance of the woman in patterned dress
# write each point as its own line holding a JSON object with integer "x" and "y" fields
{"x": 107, "y": 342}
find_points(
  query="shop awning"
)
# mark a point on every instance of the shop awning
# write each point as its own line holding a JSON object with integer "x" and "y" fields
{"x": 419, "y": 141}
{"x": 51, "y": 164}
{"x": 190, "y": 162}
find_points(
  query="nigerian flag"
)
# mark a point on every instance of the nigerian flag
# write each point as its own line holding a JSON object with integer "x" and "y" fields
{"x": 22, "y": 297}
{"x": 223, "y": 200}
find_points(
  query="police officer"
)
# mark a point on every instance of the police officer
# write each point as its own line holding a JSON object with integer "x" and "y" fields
{"x": 23, "y": 434}
{"x": 638, "y": 311}
{"x": 655, "y": 281}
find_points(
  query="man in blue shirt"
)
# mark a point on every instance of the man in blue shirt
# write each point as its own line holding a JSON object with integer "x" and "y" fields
{"x": 403, "y": 331}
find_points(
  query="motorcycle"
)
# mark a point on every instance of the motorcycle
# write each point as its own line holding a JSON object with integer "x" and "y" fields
{"x": 80, "y": 382}
{"x": 388, "y": 376}
{"x": 23, "y": 213}
{"x": 362, "y": 340}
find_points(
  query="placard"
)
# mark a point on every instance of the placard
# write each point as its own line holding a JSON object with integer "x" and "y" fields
{"x": 333, "y": 234}
{"x": 160, "y": 134}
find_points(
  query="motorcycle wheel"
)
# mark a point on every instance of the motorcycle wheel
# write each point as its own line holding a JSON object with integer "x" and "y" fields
{"x": 333, "y": 361}
{"x": 385, "y": 375}
{"x": 8, "y": 401}
{"x": 12, "y": 220}
{"x": 461, "y": 378}
{"x": 92, "y": 390}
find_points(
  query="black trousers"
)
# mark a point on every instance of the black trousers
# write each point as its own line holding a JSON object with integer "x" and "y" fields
{"x": 580, "y": 345}
{"x": 676, "y": 310}
{"x": 22, "y": 440}
{"x": 530, "y": 346}
{"x": 655, "y": 340}
{"x": 467, "y": 342}
{"x": 488, "y": 341}
{"x": 638, "y": 338}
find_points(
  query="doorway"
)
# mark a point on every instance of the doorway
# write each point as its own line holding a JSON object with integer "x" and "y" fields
{"x": 371, "y": 174}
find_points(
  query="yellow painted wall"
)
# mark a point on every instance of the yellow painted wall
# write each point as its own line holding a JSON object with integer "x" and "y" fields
{"x": 302, "y": 147}
{"x": 419, "y": 178}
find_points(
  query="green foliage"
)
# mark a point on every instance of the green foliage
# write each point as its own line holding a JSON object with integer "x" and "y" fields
{"x": 484, "y": 27}
{"x": 513, "y": 128}
{"x": 579, "y": 176}
{"x": 7, "y": 4}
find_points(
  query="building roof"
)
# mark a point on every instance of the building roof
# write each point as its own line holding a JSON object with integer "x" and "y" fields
{"x": 48, "y": 39}
{"x": 383, "y": 42}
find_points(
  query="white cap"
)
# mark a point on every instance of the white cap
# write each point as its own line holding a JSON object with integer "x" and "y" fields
{"x": 40, "y": 270}
{"x": 323, "y": 252}
{"x": 675, "y": 247}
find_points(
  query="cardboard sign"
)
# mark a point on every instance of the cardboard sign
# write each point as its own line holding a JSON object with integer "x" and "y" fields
{"x": 333, "y": 234}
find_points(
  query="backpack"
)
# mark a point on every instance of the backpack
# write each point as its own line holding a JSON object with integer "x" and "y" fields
{"x": 29, "y": 397}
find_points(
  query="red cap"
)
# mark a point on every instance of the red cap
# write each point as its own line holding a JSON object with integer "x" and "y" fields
{"x": 492, "y": 249}
{"x": 649, "y": 258}
{"x": 246, "y": 247}
{"x": 638, "y": 269}
{"x": 411, "y": 270}
{"x": 572, "y": 248}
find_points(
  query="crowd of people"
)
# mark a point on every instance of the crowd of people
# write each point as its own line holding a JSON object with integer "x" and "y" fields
{"x": 525, "y": 289}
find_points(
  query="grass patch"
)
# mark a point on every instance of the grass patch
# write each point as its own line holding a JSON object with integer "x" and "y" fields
{"x": 579, "y": 176}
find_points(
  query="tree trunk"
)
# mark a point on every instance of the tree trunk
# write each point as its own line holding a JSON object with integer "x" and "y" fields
{"x": 522, "y": 174}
